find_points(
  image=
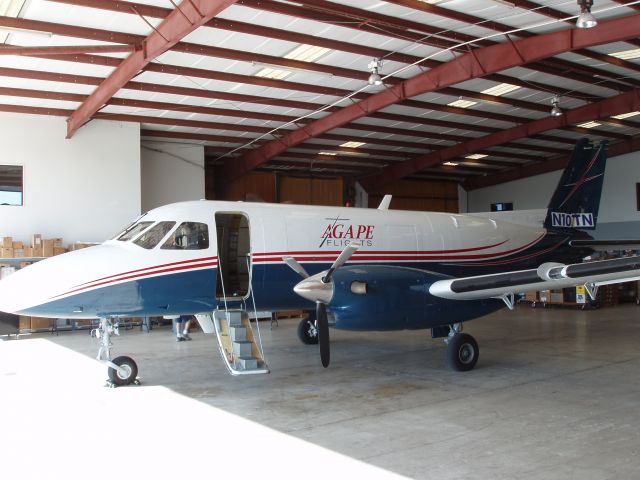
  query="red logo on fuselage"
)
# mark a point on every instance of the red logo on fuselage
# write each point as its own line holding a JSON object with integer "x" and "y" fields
{"x": 339, "y": 234}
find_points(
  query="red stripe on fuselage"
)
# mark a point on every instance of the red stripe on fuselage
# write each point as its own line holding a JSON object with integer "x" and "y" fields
{"x": 182, "y": 262}
{"x": 387, "y": 252}
{"x": 139, "y": 275}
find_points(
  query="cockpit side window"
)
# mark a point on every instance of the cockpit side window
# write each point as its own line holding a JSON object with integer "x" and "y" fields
{"x": 188, "y": 236}
{"x": 133, "y": 230}
{"x": 152, "y": 237}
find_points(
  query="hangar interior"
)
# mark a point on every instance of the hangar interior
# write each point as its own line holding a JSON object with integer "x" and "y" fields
{"x": 110, "y": 108}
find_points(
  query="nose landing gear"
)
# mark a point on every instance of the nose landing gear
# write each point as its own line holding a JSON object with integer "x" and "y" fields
{"x": 122, "y": 370}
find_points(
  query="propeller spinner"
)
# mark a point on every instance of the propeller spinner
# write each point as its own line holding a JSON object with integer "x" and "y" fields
{"x": 319, "y": 288}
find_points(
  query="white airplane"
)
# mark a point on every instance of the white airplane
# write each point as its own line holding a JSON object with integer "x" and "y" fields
{"x": 365, "y": 269}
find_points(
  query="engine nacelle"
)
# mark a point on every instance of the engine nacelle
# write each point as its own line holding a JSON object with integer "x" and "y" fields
{"x": 378, "y": 297}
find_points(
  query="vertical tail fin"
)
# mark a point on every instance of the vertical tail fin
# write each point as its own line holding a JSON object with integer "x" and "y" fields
{"x": 576, "y": 200}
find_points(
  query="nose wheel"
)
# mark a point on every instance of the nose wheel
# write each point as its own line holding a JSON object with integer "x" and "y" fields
{"x": 122, "y": 370}
{"x": 125, "y": 372}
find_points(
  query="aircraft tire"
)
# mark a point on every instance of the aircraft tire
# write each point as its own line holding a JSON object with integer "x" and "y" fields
{"x": 307, "y": 332}
{"x": 131, "y": 371}
{"x": 462, "y": 352}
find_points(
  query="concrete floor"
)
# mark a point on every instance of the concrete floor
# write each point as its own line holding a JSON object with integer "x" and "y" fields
{"x": 555, "y": 395}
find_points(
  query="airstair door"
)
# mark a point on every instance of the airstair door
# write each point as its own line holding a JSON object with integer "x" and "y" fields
{"x": 234, "y": 259}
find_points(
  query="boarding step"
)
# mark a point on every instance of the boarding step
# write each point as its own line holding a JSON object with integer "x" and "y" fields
{"x": 241, "y": 353}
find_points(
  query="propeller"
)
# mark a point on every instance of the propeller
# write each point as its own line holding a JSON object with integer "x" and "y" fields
{"x": 323, "y": 333}
{"x": 319, "y": 288}
{"x": 295, "y": 266}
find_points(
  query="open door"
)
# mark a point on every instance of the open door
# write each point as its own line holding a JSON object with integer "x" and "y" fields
{"x": 234, "y": 248}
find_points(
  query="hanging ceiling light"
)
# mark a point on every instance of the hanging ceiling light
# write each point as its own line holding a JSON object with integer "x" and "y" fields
{"x": 555, "y": 109}
{"x": 586, "y": 18}
{"x": 374, "y": 78}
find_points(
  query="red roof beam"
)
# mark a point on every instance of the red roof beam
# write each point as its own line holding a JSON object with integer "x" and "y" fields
{"x": 477, "y": 63}
{"x": 187, "y": 17}
{"x": 242, "y": 27}
{"x": 605, "y": 108}
{"x": 37, "y": 51}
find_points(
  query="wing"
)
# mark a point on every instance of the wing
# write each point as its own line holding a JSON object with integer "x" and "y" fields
{"x": 548, "y": 276}
{"x": 607, "y": 245}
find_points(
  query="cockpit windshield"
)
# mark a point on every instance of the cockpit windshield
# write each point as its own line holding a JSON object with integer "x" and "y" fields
{"x": 188, "y": 236}
{"x": 133, "y": 230}
{"x": 152, "y": 237}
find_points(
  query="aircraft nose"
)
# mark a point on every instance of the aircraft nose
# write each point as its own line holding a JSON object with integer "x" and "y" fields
{"x": 24, "y": 291}
{"x": 13, "y": 289}
{"x": 314, "y": 289}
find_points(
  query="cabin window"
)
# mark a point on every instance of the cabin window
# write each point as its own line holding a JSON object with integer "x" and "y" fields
{"x": 133, "y": 231}
{"x": 188, "y": 236}
{"x": 152, "y": 237}
{"x": 11, "y": 185}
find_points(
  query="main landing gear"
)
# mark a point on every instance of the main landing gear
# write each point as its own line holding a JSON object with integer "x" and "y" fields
{"x": 122, "y": 370}
{"x": 462, "y": 349}
{"x": 308, "y": 331}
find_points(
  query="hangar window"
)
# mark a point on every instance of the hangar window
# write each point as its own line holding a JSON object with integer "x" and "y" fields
{"x": 501, "y": 206}
{"x": 152, "y": 237}
{"x": 188, "y": 236}
{"x": 11, "y": 185}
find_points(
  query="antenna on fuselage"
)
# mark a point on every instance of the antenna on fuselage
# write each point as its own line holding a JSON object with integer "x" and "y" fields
{"x": 384, "y": 204}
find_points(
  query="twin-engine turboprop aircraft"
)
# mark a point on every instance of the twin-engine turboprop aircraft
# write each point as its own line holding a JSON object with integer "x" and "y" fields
{"x": 363, "y": 269}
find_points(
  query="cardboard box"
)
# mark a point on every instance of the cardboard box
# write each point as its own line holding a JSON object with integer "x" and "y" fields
{"x": 557, "y": 297}
{"x": 7, "y": 252}
{"x": 47, "y": 248}
{"x": 25, "y": 323}
{"x": 7, "y": 242}
{"x": 36, "y": 240}
{"x": 57, "y": 242}
{"x": 38, "y": 323}
{"x": 37, "y": 251}
{"x": 59, "y": 250}
{"x": 18, "y": 245}
{"x": 24, "y": 264}
{"x": 28, "y": 252}
{"x": 79, "y": 246}
{"x": 18, "y": 252}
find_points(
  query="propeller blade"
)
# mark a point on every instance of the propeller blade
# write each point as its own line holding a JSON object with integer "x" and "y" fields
{"x": 341, "y": 260}
{"x": 295, "y": 266}
{"x": 323, "y": 333}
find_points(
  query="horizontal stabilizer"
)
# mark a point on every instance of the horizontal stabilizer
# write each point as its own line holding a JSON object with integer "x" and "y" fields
{"x": 549, "y": 276}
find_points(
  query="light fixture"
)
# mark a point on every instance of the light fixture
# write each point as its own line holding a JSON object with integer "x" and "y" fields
{"x": 622, "y": 116}
{"x": 586, "y": 18}
{"x": 476, "y": 156}
{"x": 450, "y": 164}
{"x": 306, "y": 53}
{"x": 353, "y": 144}
{"x": 374, "y": 66}
{"x": 500, "y": 89}
{"x": 333, "y": 154}
{"x": 588, "y": 124}
{"x": 273, "y": 73}
{"x": 555, "y": 109}
{"x": 461, "y": 103}
{"x": 627, "y": 54}
{"x": 302, "y": 53}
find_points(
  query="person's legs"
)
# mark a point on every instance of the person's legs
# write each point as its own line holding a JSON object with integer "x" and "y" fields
{"x": 179, "y": 335}
{"x": 187, "y": 326}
